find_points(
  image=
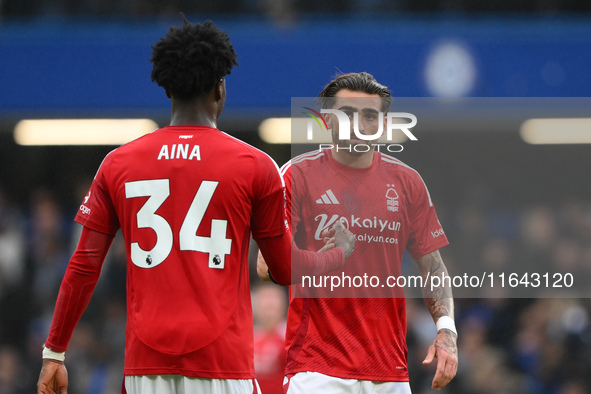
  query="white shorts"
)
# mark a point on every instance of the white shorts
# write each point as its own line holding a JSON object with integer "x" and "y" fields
{"x": 314, "y": 382}
{"x": 177, "y": 384}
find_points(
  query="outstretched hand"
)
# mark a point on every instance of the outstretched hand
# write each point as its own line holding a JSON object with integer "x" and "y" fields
{"x": 445, "y": 349}
{"x": 328, "y": 238}
{"x": 53, "y": 378}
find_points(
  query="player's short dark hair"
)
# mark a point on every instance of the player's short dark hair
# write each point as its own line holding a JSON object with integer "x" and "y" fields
{"x": 362, "y": 82}
{"x": 190, "y": 60}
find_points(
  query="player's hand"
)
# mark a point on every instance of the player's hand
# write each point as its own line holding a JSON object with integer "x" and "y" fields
{"x": 445, "y": 350}
{"x": 53, "y": 378}
{"x": 328, "y": 244}
{"x": 344, "y": 239}
{"x": 328, "y": 235}
{"x": 262, "y": 269}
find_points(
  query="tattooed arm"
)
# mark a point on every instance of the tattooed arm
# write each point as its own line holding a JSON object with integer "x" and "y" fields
{"x": 440, "y": 302}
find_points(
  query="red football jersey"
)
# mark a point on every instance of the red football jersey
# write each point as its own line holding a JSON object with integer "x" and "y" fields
{"x": 187, "y": 199}
{"x": 360, "y": 331}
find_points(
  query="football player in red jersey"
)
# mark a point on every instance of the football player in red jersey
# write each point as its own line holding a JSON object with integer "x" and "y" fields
{"x": 355, "y": 341}
{"x": 187, "y": 198}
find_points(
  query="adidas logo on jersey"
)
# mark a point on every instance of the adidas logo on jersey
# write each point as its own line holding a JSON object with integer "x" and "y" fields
{"x": 327, "y": 198}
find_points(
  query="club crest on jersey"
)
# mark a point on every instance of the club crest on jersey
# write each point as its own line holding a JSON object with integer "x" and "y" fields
{"x": 391, "y": 199}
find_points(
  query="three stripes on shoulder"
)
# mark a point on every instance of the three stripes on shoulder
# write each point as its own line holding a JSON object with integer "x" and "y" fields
{"x": 328, "y": 198}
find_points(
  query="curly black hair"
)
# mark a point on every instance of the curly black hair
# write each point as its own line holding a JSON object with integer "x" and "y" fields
{"x": 190, "y": 60}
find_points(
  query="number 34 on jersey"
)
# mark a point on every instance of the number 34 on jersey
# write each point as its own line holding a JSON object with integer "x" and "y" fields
{"x": 217, "y": 246}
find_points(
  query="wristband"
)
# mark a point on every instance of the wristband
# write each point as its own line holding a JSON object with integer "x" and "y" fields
{"x": 48, "y": 353}
{"x": 446, "y": 322}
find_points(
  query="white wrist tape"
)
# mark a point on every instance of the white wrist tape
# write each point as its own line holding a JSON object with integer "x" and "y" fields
{"x": 48, "y": 353}
{"x": 448, "y": 323}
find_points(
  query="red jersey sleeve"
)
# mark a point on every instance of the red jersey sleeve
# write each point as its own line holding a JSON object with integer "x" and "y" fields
{"x": 268, "y": 219}
{"x": 77, "y": 286}
{"x": 291, "y": 210}
{"x": 287, "y": 263}
{"x": 276, "y": 250}
{"x": 97, "y": 211}
{"x": 426, "y": 233}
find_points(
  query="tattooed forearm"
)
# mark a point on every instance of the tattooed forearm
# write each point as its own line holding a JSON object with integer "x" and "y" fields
{"x": 446, "y": 340}
{"x": 439, "y": 299}
{"x": 440, "y": 303}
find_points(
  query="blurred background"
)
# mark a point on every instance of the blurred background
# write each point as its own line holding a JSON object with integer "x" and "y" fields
{"x": 501, "y": 200}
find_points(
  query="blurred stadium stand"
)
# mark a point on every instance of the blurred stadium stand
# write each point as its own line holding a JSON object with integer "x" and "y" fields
{"x": 500, "y": 200}
{"x": 88, "y": 67}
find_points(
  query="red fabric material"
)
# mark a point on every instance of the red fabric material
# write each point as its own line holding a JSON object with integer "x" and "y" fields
{"x": 356, "y": 332}
{"x": 77, "y": 286}
{"x": 276, "y": 251}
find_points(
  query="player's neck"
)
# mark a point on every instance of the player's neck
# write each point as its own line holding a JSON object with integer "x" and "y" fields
{"x": 362, "y": 160}
{"x": 194, "y": 112}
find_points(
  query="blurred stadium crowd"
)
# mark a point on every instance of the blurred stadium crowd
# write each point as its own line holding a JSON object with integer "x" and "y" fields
{"x": 506, "y": 345}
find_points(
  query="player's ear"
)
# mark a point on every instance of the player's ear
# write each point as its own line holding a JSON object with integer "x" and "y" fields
{"x": 327, "y": 119}
{"x": 220, "y": 90}
{"x": 168, "y": 93}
